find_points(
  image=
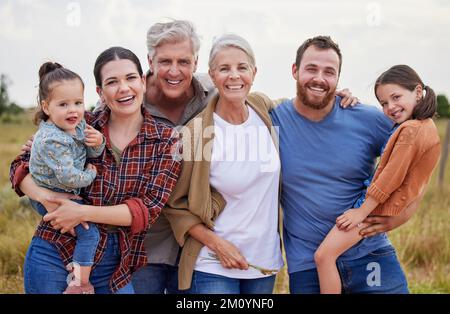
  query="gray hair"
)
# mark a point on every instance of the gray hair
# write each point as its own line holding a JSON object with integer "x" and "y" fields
{"x": 172, "y": 32}
{"x": 233, "y": 41}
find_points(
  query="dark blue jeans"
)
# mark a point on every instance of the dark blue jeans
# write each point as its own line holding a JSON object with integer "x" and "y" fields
{"x": 45, "y": 273}
{"x": 377, "y": 272}
{"x": 205, "y": 283}
{"x": 156, "y": 279}
{"x": 87, "y": 240}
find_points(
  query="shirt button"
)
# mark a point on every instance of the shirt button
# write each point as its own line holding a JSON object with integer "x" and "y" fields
{"x": 403, "y": 198}
{"x": 397, "y": 203}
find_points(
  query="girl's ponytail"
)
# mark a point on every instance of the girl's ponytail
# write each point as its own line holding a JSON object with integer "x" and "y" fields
{"x": 427, "y": 106}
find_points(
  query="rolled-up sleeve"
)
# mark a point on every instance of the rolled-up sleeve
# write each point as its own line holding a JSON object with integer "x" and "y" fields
{"x": 18, "y": 170}
{"x": 181, "y": 222}
{"x": 139, "y": 215}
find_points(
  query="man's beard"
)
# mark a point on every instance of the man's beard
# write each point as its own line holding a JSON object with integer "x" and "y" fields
{"x": 317, "y": 105}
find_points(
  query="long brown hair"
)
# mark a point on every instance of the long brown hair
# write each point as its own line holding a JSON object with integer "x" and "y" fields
{"x": 49, "y": 73}
{"x": 407, "y": 78}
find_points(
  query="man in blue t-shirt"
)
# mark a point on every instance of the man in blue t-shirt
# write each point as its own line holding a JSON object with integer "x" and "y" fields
{"x": 326, "y": 154}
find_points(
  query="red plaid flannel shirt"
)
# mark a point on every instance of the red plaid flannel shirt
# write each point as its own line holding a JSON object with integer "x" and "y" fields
{"x": 144, "y": 179}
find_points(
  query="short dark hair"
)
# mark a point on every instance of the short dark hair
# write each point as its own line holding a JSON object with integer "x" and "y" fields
{"x": 111, "y": 54}
{"x": 320, "y": 42}
{"x": 407, "y": 78}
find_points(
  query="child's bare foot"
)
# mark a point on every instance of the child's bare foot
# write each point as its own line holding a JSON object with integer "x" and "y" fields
{"x": 82, "y": 289}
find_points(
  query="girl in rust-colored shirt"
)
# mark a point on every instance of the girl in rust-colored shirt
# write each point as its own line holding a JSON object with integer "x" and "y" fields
{"x": 404, "y": 170}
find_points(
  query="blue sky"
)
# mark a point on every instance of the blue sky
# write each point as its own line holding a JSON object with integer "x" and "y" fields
{"x": 373, "y": 35}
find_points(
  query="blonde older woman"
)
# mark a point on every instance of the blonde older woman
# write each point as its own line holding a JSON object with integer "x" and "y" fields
{"x": 224, "y": 209}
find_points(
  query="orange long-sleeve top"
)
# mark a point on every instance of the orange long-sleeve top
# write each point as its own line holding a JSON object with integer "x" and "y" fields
{"x": 406, "y": 165}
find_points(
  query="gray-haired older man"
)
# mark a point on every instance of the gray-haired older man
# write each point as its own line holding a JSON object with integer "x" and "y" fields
{"x": 174, "y": 95}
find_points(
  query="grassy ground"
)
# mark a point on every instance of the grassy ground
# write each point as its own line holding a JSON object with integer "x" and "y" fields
{"x": 423, "y": 244}
{"x": 17, "y": 221}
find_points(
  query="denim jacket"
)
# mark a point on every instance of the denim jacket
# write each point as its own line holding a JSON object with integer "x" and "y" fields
{"x": 58, "y": 158}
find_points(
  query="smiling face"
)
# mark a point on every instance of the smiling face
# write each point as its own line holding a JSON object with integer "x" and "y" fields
{"x": 122, "y": 87}
{"x": 65, "y": 106}
{"x": 232, "y": 74}
{"x": 398, "y": 102}
{"x": 317, "y": 76}
{"x": 174, "y": 65}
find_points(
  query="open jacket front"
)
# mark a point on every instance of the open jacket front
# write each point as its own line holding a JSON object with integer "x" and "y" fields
{"x": 194, "y": 200}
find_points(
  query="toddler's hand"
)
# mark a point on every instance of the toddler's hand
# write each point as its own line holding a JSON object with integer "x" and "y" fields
{"x": 350, "y": 219}
{"x": 93, "y": 137}
{"x": 91, "y": 167}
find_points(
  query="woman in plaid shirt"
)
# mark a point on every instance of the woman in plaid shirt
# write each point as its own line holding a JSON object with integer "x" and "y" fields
{"x": 135, "y": 175}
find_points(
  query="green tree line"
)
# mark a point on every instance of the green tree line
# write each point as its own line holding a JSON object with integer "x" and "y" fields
{"x": 443, "y": 107}
{"x": 7, "y": 106}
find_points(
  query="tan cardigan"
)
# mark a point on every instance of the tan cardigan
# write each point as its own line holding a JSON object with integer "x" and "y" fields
{"x": 193, "y": 200}
{"x": 405, "y": 167}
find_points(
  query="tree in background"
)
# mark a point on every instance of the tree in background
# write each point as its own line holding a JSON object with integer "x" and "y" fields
{"x": 14, "y": 109}
{"x": 7, "y": 107}
{"x": 4, "y": 98}
{"x": 443, "y": 107}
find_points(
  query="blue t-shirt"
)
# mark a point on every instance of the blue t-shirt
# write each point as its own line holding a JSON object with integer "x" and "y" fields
{"x": 323, "y": 166}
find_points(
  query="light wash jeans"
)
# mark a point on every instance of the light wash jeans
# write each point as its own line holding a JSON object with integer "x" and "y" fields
{"x": 205, "y": 283}
{"x": 44, "y": 271}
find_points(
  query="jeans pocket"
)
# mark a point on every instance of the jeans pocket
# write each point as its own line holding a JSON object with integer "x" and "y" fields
{"x": 384, "y": 251}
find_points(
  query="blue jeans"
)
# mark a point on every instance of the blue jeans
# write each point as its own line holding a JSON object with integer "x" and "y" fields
{"x": 156, "y": 279}
{"x": 87, "y": 240}
{"x": 205, "y": 283}
{"x": 377, "y": 272}
{"x": 45, "y": 273}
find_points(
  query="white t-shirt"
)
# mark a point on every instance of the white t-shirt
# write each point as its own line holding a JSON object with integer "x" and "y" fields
{"x": 245, "y": 169}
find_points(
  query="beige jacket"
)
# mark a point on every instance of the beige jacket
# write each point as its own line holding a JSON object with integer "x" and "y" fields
{"x": 193, "y": 200}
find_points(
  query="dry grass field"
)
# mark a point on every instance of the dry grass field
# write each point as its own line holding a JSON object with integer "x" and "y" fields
{"x": 423, "y": 243}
